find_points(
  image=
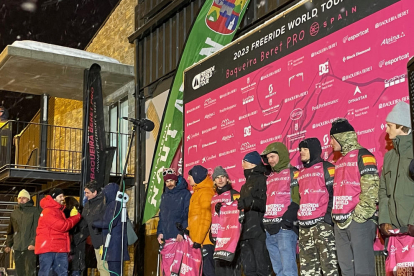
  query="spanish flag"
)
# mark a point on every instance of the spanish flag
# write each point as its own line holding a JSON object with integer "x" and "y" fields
{"x": 331, "y": 171}
{"x": 369, "y": 160}
{"x": 295, "y": 174}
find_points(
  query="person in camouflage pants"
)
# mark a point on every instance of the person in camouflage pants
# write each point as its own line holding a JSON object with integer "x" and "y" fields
{"x": 356, "y": 186}
{"x": 316, "y": 233}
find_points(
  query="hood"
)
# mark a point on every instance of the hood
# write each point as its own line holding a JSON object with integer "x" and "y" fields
{"x": 5, "y": 115}
{"x": 259, "y": 169}
{"x": 348, "y": 141}
{"x": 403, "y": 144}
{"x": 283, "y": 153}
{"x": 110, "y": 192}
{"x": 30, "y": 203}
{"x": 49, "y": 202}
{"x": 206, "y": 183}
{"x": 181, "y": 185}
{"x": 315, "y": 150}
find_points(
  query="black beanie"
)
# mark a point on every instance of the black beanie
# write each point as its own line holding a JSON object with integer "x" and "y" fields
{"x": 315, "y": 150}
{"x": 55, "y": 192}
{"x": 341, "y": 125}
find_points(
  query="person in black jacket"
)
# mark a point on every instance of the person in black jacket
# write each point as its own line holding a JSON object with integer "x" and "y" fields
{"x": 112, "y": 253}
{"x": 254, "y": 255}
{"x": 175, "y": 202}
{"x": 78, "y": 235}
{"x": 93, "y": 210}
{"x": 21, "y": 234}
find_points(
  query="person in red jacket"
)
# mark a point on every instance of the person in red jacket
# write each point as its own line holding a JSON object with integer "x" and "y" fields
{"x": 52, "y": 234}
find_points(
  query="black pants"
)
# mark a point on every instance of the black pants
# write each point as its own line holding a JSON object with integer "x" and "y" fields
{"x": 25, "y": 263}
{"x": 208, "y": 262}
{"x": 255, "y": 258}
{"x": 224, "y": 268}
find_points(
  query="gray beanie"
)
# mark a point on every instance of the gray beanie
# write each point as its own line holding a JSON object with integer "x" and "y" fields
{"x": 400, "y": 115}
{"x": 219, "y": 171}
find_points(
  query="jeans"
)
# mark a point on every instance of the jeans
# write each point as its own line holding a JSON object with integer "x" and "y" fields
{"x": 57, "y": 262}
{"x": 354, "y": 246}
{"x": 282, "y": 251}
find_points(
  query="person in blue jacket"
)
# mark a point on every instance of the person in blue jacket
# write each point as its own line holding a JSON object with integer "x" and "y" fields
{"x": 112, "y": 254}
{"x": 174, "y": 207}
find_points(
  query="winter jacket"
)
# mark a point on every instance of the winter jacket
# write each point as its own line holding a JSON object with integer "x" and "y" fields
{"x": 94, "y": 210}
{"x": 52, "y": 234}
{"x": 174, "y": 209}
{"x": 78, "y": 235}
{"x": 22, "y": 228}
{"x": 113, "y": 254}
{"x": 254, "y": 191}
{"x": 368, "y": 198}
{"x": 199, "y": 213}
{"x": 396, "y": 193}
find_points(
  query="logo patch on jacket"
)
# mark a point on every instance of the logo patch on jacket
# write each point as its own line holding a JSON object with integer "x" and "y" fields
{"x": 369, "y": 160}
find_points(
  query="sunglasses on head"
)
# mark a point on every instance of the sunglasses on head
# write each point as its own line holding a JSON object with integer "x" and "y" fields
{"x": 168, "y": 171}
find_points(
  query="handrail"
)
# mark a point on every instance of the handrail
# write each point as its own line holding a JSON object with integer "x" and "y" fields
{"x": 30, "y": 156}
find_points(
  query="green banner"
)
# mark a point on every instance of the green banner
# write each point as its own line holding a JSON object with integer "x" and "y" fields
{"x": 213, "y": 28}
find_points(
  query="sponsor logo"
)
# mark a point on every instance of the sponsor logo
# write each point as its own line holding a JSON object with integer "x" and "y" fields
{"x": 191, "y": 136}
{"x": 192, "y": 147}
{"x": 209, "y": 102}
{"x": 210, "y": 115}
{"x": 363, "y": 97}
{"x": 248, "y": 115}
{"x": 405, "y": 248}
{"x": 193, "y": 109}
{"x": 393, "y": 102}
{"x": 314, "y": 29}
{"x": 325, "y": 104}
{"x": 295, "y": 62}
{"x": 269, "y": 140}
{"x": 271, "y": 123}
{"x": 247, "y": 131}
{"x": 247, "y": 147}
{"x": 357, "y": 54}
{"x": 323, "y": 50}
{"x": 203, "y": 78}
{"x": 227, "y": 152}
{"x": 324, "y": 123}
{"x": 326, "y": 139}
{"x": 391, "y": 19}
{"x": 296, "y": 96}
{"x": 227, "y": 123}
{"x": 357, "y": 90}
{"x": 357, "y": 73}
{"x": 383, "y": 63}
{"x": 324, "y": 68}
{"x": 298, "y": 75}
{"x": 224, "y": 16}
{"x": 392, "y": 39}
{"x": 249, "y": 99}
{"x": 208, "y": 158}
{"x": 193, "y": 122}
{"x": 394, "y": 81}
{"x": 228, "y": 108}
{"x": 268, "y": 75}
{"x": 208, "y": 144}
{"x": 228, "y": 93}
{"x": 227, "y": 137}
{"x": 296, "y": 114}
{"x": 355, "y": 36}
{"x": 323, "y": 85}
{"x": 209, "y": 129}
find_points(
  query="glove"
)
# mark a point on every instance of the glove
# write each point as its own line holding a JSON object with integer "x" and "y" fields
{"x": 204, "y": 252}
{"x": 411, "y": 230}
{"x": 384, "y": 228}
{"x": 240, "y": 204}
{"x": 218, "y": 207}
{"x": 101, "y": 250}
{"x": 196, "y": 245}
{"x": 74, "y": 212}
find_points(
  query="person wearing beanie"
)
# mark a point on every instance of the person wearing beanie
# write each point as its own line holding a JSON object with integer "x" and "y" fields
{"x": 282, "y": 205}
{"x": 21, "y": 234}
{"x": 224, "y": 194}
{"x": 356, "y": 185}
{"x": 175, "y": 201}
{"x": 199, "y": 215}
{"x": 316, "y": 234}
{"x": 52, "y": 234}
{"x": 252, "y": 205}
{"x": 396, "y": 201}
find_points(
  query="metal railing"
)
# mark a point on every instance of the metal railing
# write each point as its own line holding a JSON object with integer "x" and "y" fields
{"x": 21, "y": 144}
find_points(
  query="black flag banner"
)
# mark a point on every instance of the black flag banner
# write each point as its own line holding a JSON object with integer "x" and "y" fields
{"x": 94, "y": 140}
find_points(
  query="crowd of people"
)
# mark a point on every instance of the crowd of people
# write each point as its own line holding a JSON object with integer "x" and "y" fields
{"x": 330, "y": 213}
{"x": 57, "y": 232}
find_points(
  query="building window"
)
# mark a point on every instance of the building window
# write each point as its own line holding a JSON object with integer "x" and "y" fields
{"x": 118, "y": 133}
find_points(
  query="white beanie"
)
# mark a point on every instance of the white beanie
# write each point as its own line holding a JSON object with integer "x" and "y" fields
{"x": 24, "y": 193}
{"x": 400, "y": 115}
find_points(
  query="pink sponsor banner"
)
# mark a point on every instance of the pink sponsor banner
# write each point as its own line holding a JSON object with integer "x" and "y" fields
{"x": 192, "y": 259}
{"x": 357, "y": 72}
{"x": 171, "y": 257}
{"x": 228, "y": 233}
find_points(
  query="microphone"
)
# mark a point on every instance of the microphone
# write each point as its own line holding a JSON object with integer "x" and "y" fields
{"x": 144, "y": 123}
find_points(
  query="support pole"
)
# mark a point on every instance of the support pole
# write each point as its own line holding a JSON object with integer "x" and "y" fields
{"x": 44, "y": 111}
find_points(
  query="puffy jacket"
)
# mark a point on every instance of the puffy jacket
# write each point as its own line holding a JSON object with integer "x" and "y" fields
{"x": 22, "y": 228}
{"x": 254, "y": 190}
{"x": 174, "y": 209}
{"x": 113, "y": 253}
{"x": 396, "y": 193}
{"x": 52, "y": 234}
{"x": 94, "y": 210}
{"x": 199, "y": 213}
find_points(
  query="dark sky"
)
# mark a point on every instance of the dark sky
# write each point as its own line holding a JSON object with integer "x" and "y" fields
{"x": 70, "y": 23}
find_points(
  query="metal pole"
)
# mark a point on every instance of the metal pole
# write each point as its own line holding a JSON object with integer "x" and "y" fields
{"x": 43, "y": 130}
